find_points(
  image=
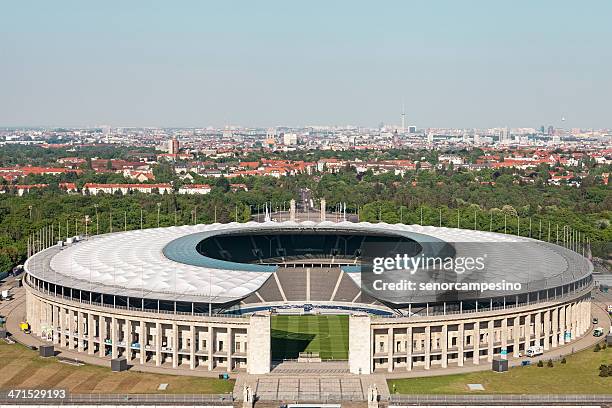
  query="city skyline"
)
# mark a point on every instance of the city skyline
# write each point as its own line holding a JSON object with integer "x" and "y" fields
{"x": 451, "y": 65}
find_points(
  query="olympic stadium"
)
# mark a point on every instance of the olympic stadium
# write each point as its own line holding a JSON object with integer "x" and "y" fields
{"x": 205, "y": 297}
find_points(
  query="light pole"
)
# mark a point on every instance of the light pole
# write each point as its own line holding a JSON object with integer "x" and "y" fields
{"x": 30, "y": 208}
{"x": 158, "y": 209}
{"x": 97, "y": 224}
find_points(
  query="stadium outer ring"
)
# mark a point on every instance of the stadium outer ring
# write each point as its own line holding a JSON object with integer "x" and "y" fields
{"x": 179, "y": 340}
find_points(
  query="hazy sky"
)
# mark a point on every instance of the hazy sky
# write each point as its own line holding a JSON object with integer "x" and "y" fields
{"x": 265, "y": 63}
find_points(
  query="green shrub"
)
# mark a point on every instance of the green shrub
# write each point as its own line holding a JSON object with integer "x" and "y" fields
{"x": 540, "y": 363}
{"x": 597, "y": 348}
{"x": 563, "y": 360}
{"x": 549, "y": 363}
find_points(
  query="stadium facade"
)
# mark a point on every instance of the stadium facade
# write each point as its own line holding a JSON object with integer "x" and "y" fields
{"x": 202, "y": 296}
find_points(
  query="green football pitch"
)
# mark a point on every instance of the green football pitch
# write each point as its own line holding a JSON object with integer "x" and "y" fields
{"x": 323, "y": 334}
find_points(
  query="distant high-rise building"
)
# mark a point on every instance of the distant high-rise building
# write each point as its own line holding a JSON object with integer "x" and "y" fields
{"x": 412, "y": 129}
{"x": 290, "y": 139}
{"x": 173, "y": 146}
{"x": 504, "y": 136}
{"x": 430, "y": 137}
{"x": 551, "y": 130}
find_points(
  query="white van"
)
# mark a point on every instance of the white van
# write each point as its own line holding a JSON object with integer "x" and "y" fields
{"x": 533, "y": 351}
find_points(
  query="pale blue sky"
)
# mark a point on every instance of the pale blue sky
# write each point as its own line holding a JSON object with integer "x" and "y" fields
{"x": 264, "y": 63}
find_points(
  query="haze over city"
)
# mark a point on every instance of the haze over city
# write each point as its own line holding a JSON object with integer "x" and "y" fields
{"x": 450, "y": 64}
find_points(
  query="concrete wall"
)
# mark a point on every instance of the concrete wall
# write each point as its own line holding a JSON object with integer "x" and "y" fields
{"x": 360, "y": 344}
{"x": 260, "y": 352}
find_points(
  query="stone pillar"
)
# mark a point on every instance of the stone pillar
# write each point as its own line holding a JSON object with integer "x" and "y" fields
{"x": 158, "y": 343}
{"x": 102, "y": 323}
{"x": 259, "y": 352}
{"x": 516, "y": 335}
{"x": 444, "y": 345}
{"x": 562, "y": 311}
{"x": 588, "y": 314}
{"x": 491, "y": 339}
{"x": 70, "y": 329}
{"x": 80, "y": 331}
{"x": 62, "y": 324}
{"x": 573, "y": 320}
{"x": 476, "y": 343}
{"x": 427, "y": 347}
{"x": 527, "y": 331}
{"x": 504, "y": 337}
{"x": 50, "y": 316}
{"x": 230, "y": 348}
{"x": 54, "y": 324}
{"x": 192, "y": 344}
{"x": 538, "y": 328}
{"x": 547, "y": 330}
{"x": 175, "y": 335}
{"x": 409, "y": 342}
{"x": 555, "y": 327}
{"x": 461, "y": 345}
{"x": 390, "y": 349}
{"x": 292, "y": 210}
{"x": 211, "y": 348}
{"x": 142, "y": 340}
{"x": 128, "y": 338}
{"x": 114, "y": 338}
{"x": 581, "y": 320}
{"x": 91, "y": 332}
{"x": 323, "y": 206}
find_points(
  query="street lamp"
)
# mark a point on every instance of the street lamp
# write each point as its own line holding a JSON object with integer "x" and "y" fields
{"x": 86, "y": 222}
{"x": 97, "y": 224}
{"x": 158, "y": 210}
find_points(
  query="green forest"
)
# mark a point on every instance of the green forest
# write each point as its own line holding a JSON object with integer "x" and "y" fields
{"x": 438, "y": 198}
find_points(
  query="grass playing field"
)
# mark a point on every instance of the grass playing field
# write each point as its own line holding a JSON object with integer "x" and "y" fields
{"x": 326, "y": 335}
{"x": 22, "y": 368}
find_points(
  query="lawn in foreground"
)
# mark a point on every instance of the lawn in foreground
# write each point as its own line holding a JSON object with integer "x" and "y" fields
{"x": 21, "y": 367}
{"x": 580, "y": 375}
{"x": 323, "y": 334}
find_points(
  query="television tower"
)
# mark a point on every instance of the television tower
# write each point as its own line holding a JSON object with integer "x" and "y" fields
{"x": 403, "y": 118}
